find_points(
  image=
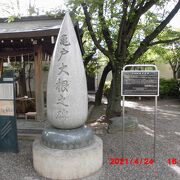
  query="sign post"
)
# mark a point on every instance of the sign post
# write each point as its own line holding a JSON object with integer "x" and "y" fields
{"x": 8, "y": 129}
{"x": 140, "y": 83}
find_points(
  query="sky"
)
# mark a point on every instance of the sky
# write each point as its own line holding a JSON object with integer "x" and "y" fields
{"x": 47, "y": 5}
{"x": 42, "y": 5}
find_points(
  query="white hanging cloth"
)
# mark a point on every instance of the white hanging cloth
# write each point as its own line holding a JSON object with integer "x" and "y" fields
{"x": 8, "y": 60}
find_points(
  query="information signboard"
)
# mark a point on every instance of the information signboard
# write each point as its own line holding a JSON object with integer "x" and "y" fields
{"x": 6, "y": 91}
{"x": 140, "y": 83}
{"x": 8, "y": 127}
{"x": 6, "y": 108}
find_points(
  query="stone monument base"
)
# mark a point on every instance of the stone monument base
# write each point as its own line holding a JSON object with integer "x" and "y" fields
{"x": 67, "y": 164}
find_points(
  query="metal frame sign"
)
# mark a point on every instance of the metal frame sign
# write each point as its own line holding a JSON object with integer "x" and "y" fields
{"x": 140, "y": 83}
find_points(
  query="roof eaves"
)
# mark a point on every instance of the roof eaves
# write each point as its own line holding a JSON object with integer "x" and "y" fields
{"x": 32, "y": 18}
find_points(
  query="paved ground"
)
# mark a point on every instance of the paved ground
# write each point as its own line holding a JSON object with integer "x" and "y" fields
{"x": 138, "y": 149}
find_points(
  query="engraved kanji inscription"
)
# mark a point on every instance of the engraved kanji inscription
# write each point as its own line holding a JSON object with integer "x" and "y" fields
{"x": 61, "y": 100}
{"x": 62, "y": 85}
{"x": 63, "y": 52}
{"x": 64, "y": 40}
{"x": 62, "y": 115}
{"x": 63, "y": 69}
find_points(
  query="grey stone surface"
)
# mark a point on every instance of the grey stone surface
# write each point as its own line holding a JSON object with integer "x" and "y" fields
{"x": 67, "y": 99}
{"x": 139, "y": 144}
{"x": 67, "y": 150}
{"x": 68, "y": 164}
{"x": 67, "y": 139}
{"x": 130, "y": 124}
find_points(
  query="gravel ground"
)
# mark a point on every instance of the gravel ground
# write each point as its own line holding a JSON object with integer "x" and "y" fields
{"x": 138, "y": 145}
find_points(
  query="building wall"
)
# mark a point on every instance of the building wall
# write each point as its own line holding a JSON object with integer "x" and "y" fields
{"x": 165, "y": 71}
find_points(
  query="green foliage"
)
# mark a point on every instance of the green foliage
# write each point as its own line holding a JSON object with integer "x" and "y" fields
{"x": 169, "y": 87}
{"x": 152, "y": 56}
{"x": 11, "y": 19}
{"x": 96, "y": 62}
{"x": 56, "y": 13}
{"x": 8, "y": 67}
{"x": 164, "y": 53}
{"x": 106, "y": 88}
{"x": 113, "y": 14}
{"x": 92, "y": 67}
{"x": 13, "y": 66}
{"x": 46, "y": 67}
{"x": 17, "y": 67}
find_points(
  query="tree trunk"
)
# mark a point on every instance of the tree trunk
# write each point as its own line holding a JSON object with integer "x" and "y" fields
{"x": 174, "y": 74}
{"x": 114, "y": 97}
{"x": 99, "y": 93}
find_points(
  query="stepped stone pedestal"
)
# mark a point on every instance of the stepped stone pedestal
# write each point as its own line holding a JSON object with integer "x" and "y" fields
{"x": 67, "y": 164}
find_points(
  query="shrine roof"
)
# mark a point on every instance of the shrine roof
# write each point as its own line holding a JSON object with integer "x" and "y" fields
{"x": 33, "y": 26}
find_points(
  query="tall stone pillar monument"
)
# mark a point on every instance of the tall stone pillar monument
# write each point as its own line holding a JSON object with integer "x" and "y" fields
{"x": 67, "y": 149}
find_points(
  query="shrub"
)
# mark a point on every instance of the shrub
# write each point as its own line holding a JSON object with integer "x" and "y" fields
{"x": 169, "y": 87}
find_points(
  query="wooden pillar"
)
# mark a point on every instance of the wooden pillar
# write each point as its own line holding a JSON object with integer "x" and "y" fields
{"x": 1, "y": 68}
{"x": 38, "y": 82}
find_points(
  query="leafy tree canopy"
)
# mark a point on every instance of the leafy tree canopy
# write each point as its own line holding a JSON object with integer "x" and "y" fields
{"x": 141, "y": 18}
{"x": 123, "y": 30}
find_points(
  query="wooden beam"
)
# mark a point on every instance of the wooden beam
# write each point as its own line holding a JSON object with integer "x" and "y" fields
{"x": 4, "y": 54}
{"x": 30, "y": 34}
{"x": 38, "y": 82}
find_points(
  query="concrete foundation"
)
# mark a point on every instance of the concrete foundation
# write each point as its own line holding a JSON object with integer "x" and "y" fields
{"x": 67, "y": 164}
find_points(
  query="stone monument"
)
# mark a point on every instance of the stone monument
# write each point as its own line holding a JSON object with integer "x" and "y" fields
{"x": 67, "y": 149}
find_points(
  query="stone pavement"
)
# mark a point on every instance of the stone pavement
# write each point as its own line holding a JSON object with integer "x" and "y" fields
{"x": 137, "y": 162}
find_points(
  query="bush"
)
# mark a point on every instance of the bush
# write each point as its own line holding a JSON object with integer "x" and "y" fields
{"x": 169, "y": 87}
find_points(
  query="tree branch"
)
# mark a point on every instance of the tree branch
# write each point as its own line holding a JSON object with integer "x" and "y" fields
{"x": 99, "y": 93}
{"x": 92, "y": 34}
{"x": 178, "y": 67}
{"x": 146, "y": 42}
{"x": 171, "y": 64}
{"x": 164, "y": 41}
{"x": 140, "y": 4}
{"x": 132, "y": 22}
{"x": 146, "y": 6}
{"x": 105, "y": 30}
{"x": 122, "y": 27}
{"x": 88, "y": 58}
{"x": 132, "y": 5}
